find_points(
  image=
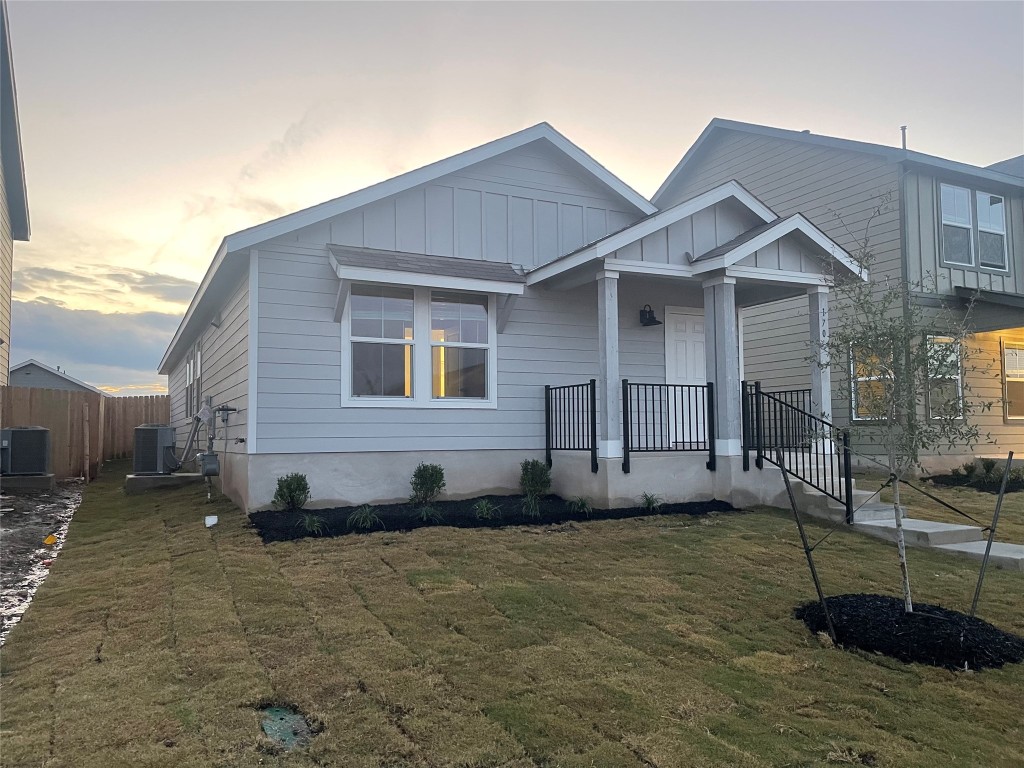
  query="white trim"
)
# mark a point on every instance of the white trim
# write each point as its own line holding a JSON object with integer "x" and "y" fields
{"x": 61, "y": 374}
{"x": 344, "y": 289}
{"x": 718, "y": 280}
{"x": 609, "y": 449}
{"x": 254, "y": 346}
{"x": 1005, "y": 269}
{"x": 969, "y": 226}
{"x": 508, "y": 305}
{"x": 425, "y": 280}
{"x": 650, "y": 225}
{"x": 422, "y": 394}
{"x": 317, "y": 213}
{"x": 780, "y": 276}
{"x": 631, "y": 267}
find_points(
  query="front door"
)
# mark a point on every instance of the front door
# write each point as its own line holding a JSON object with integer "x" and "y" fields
{"x": 685, "y": 364}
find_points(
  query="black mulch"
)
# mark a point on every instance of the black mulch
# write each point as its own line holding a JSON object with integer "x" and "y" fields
{"x": 980, "y": 482}
{"x": 930, "y": 635}
{"x": 275, "y": 525}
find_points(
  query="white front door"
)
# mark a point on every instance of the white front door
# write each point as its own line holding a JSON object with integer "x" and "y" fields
{"x": 685, "y": 363}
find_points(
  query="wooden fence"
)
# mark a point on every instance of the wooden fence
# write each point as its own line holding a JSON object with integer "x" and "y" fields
{"x": 85, "y": 428}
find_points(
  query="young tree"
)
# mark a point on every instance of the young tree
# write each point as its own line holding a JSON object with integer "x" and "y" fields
{"x": 906, "y": 368}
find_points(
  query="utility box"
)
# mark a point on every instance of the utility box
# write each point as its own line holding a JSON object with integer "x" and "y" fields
{"x": 24, "y": 451}
{"x": 209, "y": 464}
{"x": 154, "y": 450}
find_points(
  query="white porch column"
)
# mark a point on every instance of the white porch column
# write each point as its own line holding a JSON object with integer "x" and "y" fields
{"x": 722, "y": 352}
{"x": 609, "y": 445}
{"x": 821, "y": 375}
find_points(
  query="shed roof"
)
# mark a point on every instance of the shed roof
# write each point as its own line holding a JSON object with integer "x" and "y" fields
{"x": 401, "y": 261}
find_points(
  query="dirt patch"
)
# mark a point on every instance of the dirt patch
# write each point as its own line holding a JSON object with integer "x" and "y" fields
{"x": 930, "y": 635}
{"x": 276, "y": 525}
{"x": 26, "y": 519}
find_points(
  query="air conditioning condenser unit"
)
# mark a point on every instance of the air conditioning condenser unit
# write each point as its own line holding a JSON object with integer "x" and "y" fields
{"x": 24, "y": 451}
{"x": 154, "y": 450}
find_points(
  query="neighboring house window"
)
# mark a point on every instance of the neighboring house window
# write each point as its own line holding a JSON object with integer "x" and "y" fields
{"x": 945, "y": 379}
{"x": 420, "y": 346}
{"x": 382, "y": 341}
{"x": 962, "y": 237}
{"x": 1013, "y": 379}
{"x": 868, "y": 379}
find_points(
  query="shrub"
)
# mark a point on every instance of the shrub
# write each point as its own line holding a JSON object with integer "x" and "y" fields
{"x": 364, "y": 518}
{"x": 484, "y": 509}
{"x": 988, "y": 465}
{"x": 531, "y": 506}
{"x": 427, "y": 514}
{"x": 427, "y": 483}
{"x": 292, "y": 492}
{"x": 969, "y": 469}
{"x": 534, "y": 482}
{"x": 312, "y": 524}
{"x": 650, "y": 502}
{"x": 581, "y": 505}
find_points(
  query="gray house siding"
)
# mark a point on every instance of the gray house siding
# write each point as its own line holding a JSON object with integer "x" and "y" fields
{"x": 40, "y": 378}
{"x": 838, "y": 191}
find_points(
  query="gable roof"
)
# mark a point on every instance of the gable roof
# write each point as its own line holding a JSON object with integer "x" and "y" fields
{"x": 61, "y": 374}
{"x": 10, "y": 136}
{"x": 247, "y": 238}
{"x": 1013, "y": 166}
{"x": 650, "y": 224}
{"x": 891, "y": 154}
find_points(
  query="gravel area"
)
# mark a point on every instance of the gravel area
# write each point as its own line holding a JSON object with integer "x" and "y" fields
{"x": 26, "y": 520}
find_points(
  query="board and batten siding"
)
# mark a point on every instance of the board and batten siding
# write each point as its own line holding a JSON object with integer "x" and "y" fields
{"x": 924, "y": 257}
{"x": 225, "y": 372}
{"x": 6, "y": 275}
{"x": 837, "y": 190}
{"x": 526, "y": 206}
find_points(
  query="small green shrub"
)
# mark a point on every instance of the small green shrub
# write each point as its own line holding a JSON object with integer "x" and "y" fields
{"x": 427, "y": 483}
{"x": 988, "y": 466}
{"x": 534, "y": 478}
{"x": 957, "y": 472}
{"x": 484, "y": 509}
{"x": 364, "y": 518}
{"x": 969, "y": 469}
{"x": 427, "y": 514}
{"x": 531, "y": 507}
{"x": 292, "y": 492}
{"x": 312, "y": 524}
{"x": 650, "y": 502}
{"x": 581, "y": 505}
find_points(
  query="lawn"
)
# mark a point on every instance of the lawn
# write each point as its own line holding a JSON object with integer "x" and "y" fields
{"x": 646, "y": 642}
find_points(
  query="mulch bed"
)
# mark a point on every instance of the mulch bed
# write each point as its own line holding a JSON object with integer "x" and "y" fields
{"x": 275, "y": 525}
{"x": 930, "y": 635}
{"x": 977, "y": 482}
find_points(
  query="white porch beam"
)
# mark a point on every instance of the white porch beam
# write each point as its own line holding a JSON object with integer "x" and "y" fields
{"x": 609, "y": 445}
{"x": 722, "y": 352}
{"x": 821, "y": 374}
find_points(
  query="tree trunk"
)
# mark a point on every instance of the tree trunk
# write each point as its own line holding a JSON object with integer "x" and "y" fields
{"x": 901, "y": 547}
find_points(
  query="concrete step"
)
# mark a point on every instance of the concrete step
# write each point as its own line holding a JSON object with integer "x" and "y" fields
{"x": 921, "y": 533}
{"x": 1009, "y": 556}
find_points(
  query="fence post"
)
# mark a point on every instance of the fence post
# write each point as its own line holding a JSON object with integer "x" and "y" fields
{"x": 85, "y": 439}
{"x": 627, "y": 426}
{"x": 593, "y": 426}
{"x": 848, "y": 476}
{"x": 711, "y": 425}
{"x": 758, "y": 426}
{"x": 547, "y": 424}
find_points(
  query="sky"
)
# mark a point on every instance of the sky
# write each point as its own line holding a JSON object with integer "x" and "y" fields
{"x": 151, "y": 130}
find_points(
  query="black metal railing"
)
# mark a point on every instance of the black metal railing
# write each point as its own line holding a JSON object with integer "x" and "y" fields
{"x": 792, "y": 432}
{"x": 667, "y": 417}
{"x": 814, "y": 450}
{"x": 570, "y": 420}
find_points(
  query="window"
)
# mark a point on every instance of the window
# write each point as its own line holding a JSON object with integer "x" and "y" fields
{"x": 420, "y": 346}
{"x": 869, "y": 378}
{"x": 193, "y": 382}
{"x": 1013, "y": 379}
{"x": 962, "y": 238}
{"x": 945, "y": 382}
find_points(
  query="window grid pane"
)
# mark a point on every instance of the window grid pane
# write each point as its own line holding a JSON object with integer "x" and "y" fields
{"x": 380, "y": 312}
{"x": 991, "y": 213}
{"x": 956, "y": 245}
{"x": 956, "y": 205}
{"x": 459, "y": 372}
{"x": 381, "y": 370}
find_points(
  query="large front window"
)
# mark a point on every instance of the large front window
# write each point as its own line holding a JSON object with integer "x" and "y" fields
{"x": 870, "y": 377}
{"x": 945, "y": 379}
{"x": 420, "y": 345}
{"x": 973, "y": 223}
{"x": 1013, "y": 379}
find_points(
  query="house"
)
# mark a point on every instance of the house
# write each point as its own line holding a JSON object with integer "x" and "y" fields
{"x": 486, "y": 309}
{"x": 956, "y": 230}
{"x": 32, "y": 373}
{"x": 14, "y": 223}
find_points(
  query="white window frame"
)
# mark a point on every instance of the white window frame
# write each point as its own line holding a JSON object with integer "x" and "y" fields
{"x": 193, "y": 380}
{"x": 974, "y": 229}
{"x": 931, "y": 340}
{"x": 1006, "y": 260}
{"x": 422, "y": 382}
{"x": 1006, "y": 378}
{"x": 854, "y": 381}
{"x": 969, "y": 226}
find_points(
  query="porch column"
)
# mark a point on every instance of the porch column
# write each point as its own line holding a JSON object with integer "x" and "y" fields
{"x": 821, "y": 375}
{"x": 722, "y": 353}
{"x": 609, "y": 445}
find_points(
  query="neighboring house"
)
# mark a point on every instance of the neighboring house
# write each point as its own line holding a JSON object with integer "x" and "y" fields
{"x": 957, "y": 227}
{"x": 32, "y": 373}
{"x": 420, "y": 319}
{"x": 13, "y": 199}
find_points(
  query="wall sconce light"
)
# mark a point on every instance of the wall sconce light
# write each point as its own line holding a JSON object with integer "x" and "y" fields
{"x": 647, "y": 316}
